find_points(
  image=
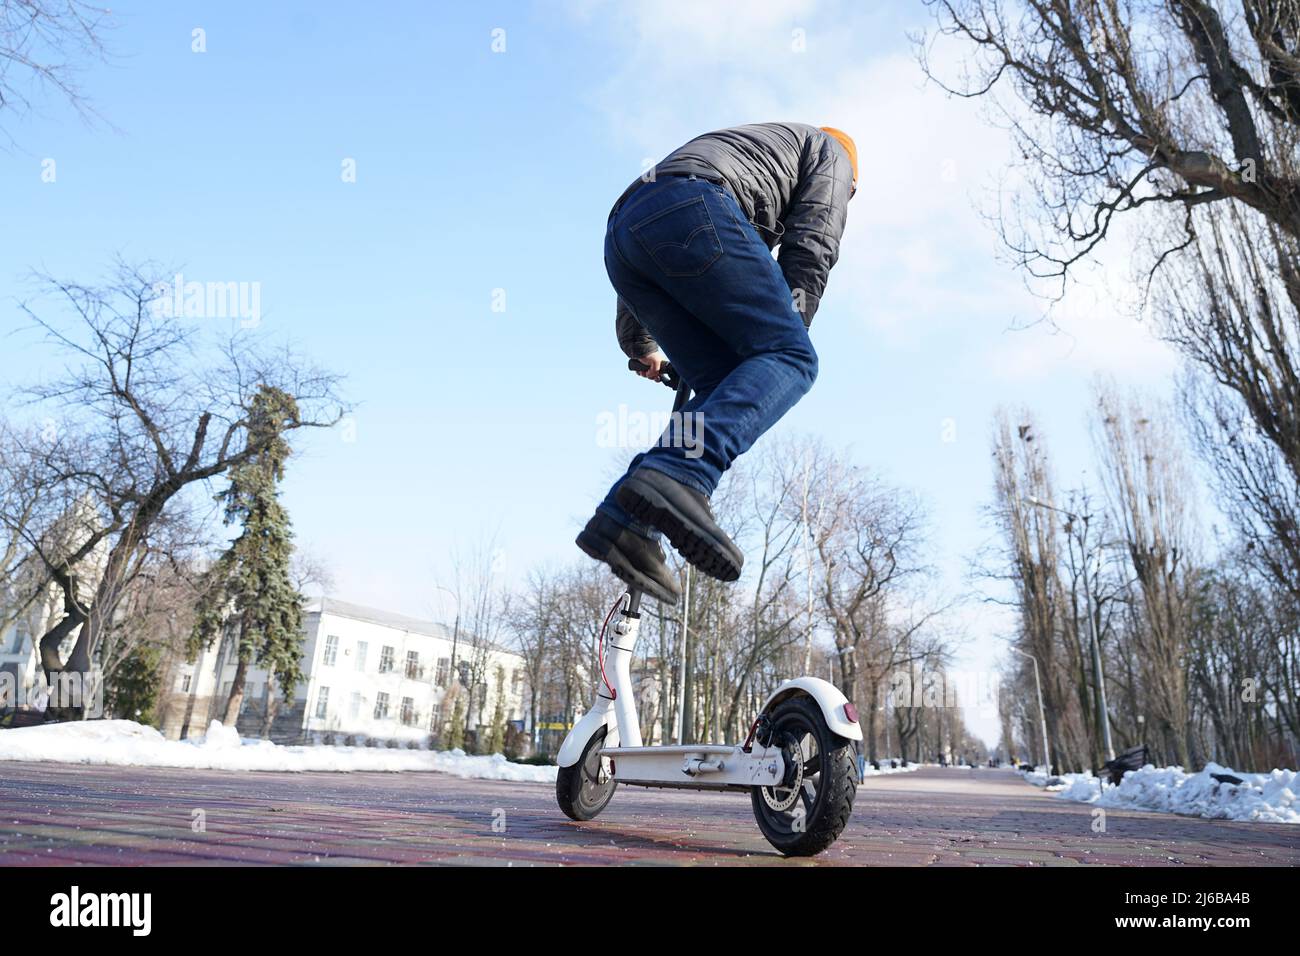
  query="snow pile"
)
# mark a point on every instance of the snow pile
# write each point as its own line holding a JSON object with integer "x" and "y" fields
{"x": 1038, "y": 776}
{"x": 124, "y": 743}
{"x": 1260, "y": 797}
{"x": 886, "y": 768}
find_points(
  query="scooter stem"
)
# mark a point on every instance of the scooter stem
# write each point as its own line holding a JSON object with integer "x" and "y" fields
{"x": 618, "y": 656}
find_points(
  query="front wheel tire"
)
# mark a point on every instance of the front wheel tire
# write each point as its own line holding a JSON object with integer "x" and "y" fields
{"x": 808, "y": 812}
{"x": 584, "y": 789}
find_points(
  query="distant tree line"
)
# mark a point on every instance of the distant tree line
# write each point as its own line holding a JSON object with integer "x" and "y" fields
{"x": 1179, "y": 120}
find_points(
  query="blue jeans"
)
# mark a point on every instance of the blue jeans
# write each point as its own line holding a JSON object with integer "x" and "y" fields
{"x": 694, "y": 271}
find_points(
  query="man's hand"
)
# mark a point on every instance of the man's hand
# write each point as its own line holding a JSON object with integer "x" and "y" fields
{"x": 655, "y": 362}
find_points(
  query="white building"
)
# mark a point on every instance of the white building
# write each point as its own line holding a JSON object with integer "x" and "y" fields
{"x": 370, "y": 674}
{"x": 18, "y": 663}
{"x": 22, "y": 680}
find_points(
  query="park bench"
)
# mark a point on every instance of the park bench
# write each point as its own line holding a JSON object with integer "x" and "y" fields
{"x": 1134, "y": 758}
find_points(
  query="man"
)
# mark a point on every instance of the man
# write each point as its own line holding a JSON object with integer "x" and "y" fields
{"x": 688, "y": 250}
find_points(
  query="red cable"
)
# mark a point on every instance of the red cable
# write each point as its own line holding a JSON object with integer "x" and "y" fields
{"x": 600, "y": 647}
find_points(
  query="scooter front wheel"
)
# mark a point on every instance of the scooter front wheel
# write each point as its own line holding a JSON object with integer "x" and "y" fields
{"x": 584, "y": 789}
{"x": 809, "y": 810}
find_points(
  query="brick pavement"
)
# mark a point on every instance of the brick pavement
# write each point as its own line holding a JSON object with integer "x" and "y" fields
{"x": 68, "y": 814}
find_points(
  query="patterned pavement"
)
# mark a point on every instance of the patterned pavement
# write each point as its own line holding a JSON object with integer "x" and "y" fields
{"x": 66, "y": 814}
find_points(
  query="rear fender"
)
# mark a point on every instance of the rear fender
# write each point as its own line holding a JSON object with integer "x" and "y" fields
{"x": 827, "y": 696}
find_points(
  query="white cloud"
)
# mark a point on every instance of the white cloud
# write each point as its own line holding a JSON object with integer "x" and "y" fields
{"x": 1095, "y": 327}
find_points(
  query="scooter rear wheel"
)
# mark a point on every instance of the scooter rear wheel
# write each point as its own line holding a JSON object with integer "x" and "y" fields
{"x": 584, "y": 789}
{"x": 809, "y": 811}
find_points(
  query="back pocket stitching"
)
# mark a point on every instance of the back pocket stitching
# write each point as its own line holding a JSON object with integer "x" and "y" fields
{"x": 708, "y": 224}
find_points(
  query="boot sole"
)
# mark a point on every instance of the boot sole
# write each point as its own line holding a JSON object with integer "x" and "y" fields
{"x": 610, "y": 556}
{"x": 692, "y": 542}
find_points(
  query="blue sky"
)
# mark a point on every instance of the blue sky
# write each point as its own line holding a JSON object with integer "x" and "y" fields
{"x": 479, "y": 171}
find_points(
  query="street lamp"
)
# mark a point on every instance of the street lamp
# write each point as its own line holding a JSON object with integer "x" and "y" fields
{"x": 455, "y": 631}
{"x": 681, "y": 666}
{"x": 453, "y": 675}
{"x": 1042, "y": 713}
{"x": 1103, "y": 716}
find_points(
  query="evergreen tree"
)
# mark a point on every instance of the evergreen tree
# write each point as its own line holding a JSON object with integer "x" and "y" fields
{"x": 249, "y": 590}
{"x": 497, "y": 741}
{"x": 456, "y": 736}
{"x": 133, "y": 691}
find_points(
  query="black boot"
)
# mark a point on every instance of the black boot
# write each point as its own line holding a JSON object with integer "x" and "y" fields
{"x": 684, "y": 515}
{"x": 636, "y": 560}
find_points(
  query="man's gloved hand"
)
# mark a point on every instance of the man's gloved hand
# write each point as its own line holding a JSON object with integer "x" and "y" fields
{"x": 655, "y": 362}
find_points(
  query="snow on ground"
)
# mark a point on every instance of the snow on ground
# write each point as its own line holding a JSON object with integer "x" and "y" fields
{"x": 886, "y": 768}
{"x": 1261, "y": 797}
{"x": 1038, "y": 777}
{"x": 125, "y": 743}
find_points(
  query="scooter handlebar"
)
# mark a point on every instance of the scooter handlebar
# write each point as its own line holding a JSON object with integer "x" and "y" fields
{"x": 667, "y": 374}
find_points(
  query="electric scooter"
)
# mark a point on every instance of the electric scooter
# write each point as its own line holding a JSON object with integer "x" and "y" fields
{"x": 798, "y": 762}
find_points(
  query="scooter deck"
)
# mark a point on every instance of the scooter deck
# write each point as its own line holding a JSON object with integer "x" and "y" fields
{"x": 698, "y": 766}
{"x": 674, "y": 750}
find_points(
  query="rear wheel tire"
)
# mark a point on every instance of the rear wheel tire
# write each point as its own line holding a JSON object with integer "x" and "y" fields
{"x": 809, "y": 812}
{"x": 585, "y": 789}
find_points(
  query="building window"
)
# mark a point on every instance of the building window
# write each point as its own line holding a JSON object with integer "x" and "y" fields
{"x": 322, "y": 702}
{"x": 408, "y": 710}
{"x": 354, "y": 711}
{"x": 362, "y": 649}
{"x": 185, "y": 684}
{"x": 331, "y": 650}
{"x": 516, "y": 681}
{"x": 386, "y": 660}
{"x": 413, "y": 665}
{"x": 381, "y": 706}
{"x": 462, "y": 668}
{"x": 444, "y": 671}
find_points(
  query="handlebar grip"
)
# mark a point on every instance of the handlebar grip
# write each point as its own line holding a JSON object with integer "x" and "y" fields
{"x": 667, "y": 374}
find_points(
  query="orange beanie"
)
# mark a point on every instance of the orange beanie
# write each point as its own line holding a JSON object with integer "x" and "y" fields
{"x": 847, "y": 142}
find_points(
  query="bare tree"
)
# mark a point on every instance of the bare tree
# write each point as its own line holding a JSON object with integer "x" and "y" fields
{"x": 1231, "y": 303}
{"x": 1164, "y": 103}
{"x": 1244, "y": 666}
{"x": 21, "y": 495}
{"x": 483, "y": 605}
{"x": 310, "y": 572}
{"x": 147, "y": 415}
{"x": 40, "y": 41}
{"x": 156, "y": 612}
{"x": 753, "y": 629}
{"x": 1147, "y": 482}
{"x": 868, "y": 542}
{"x": 1031, "y": 561}
{"x": 1186, "y": 114}
{"x": 535, "y": 635}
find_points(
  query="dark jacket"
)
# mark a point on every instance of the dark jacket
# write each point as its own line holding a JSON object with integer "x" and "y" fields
{"x": 793, "y": 182}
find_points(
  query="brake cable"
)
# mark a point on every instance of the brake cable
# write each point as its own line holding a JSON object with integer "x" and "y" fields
{"x": 600, "y": 645}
